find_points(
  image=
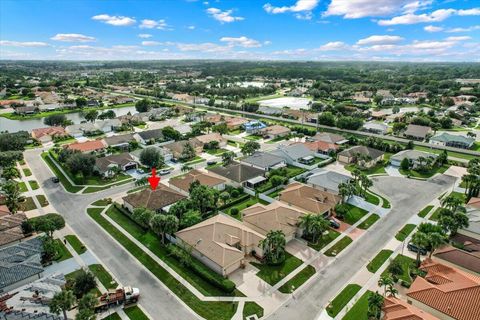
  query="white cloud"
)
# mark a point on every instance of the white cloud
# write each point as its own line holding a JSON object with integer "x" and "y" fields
{"x": 334, "y": 46}
{"x": 431, "y": 28}
{"x": 23, "y": 44}
{"x": 203, "y": 47}
{"x": 268, "y": 42}
{"x": 468, "y": 29}
{"x": 117, "y": 21}
{"x": 302, "y": 8}
{"x": 191, "y": 27}
{"x": 435, "y": 16}
{"x": 72, "y": 37}
{"x": 241, "y": 42}
{"x": 223, "y": 16}
{"x": 353, "y": 9}
{"x": 153, "y": 24}
{"x": 145, "y": 35}
{"x": 379, "y": 40}
{"x": 461, "y": 38}
{"x": 150, "y": 43}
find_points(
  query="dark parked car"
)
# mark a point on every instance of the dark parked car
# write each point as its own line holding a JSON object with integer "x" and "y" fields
{"x": 55, "y": 180}
{"x": 415, "y": 248}
{"x": 211, "y": 162}
{"x": 334, "y": 224}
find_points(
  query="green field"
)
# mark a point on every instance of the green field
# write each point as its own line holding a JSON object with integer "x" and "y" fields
{"x": 339, "y": 246}
{"x": 299, "y": 279}
{"x": 22, "y": 187}
{"x": 342, "y": 299}
{"x": 42, "y": 200}
{"x": 272, "y": 274}
{"x": 101, "y": 203}
{"x": 424, "y": 175}
{"x": 207, "y": 310}
{"x": 434, "y": 216}
{"x": 27, "y": 204}
{"x": 76, "y": 244}
{"x": 379, "y": 260}
{"x": 27, "y": 172}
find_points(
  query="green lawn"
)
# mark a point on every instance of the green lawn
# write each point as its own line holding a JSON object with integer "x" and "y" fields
{"x": 27, "y": 172}
{"x": 22, "y": 187}
{"x": 372, "y": 199}
{"x": 338, "y": 247}
{"x": 324, "y": 240}
{"x": 33, "y": 184}
{"x": 407, "y": 263}
{"x": 385, "y": 204}
{"x": 367, "y": 223}
{"x": 135, "y": 313}
{"x": 137, "y": 189}
{"x": 459, "y": 155}
{"x": 342, "y": 299}
{"x": 216, "y": 151}
{"x": 299, "y": 279}
{"x": 275, "y": 194}
{"x": 113, "y": 316}
{"x": 76, "y": 244}
{"x": 100, "y": 203}
{"x": 359, "y": 309}
{"x": 425, "y": 211}
{"x": 434, "y": 216}
{"x": 62, "y": 251}
{"x": 293, "y": 171}
{"x": 253, "y": 137}
{"x": 207, "y": 310}
{"x": 152, "y": 242}
{"x": 195, "y": 160}
{"x": 28, "y": 204}
{"x": 242, "y": 205}
{"x": 103, "y": 276}
{"x": 251, "y": 308}
{"x": 273, "y": 274}
{"x": 424, "y": 175}
{"x": 42, "y": 199}
{"x": 354, "y": 214}
{"x": 67, "y": 185}
{"x": 377, "y": 169}
{"x": 379, "y": 260}
{"x": 405, "y": 232}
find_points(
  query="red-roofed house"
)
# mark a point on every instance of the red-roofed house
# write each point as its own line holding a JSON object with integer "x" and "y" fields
{"x": 88, "y": 146}
{"x": 47, "y": 134}
{"x": 397, "y": 309}
{"x": 322, "y": 147}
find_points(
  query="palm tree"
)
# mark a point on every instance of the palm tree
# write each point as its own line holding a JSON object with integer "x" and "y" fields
{"x": 227, "y": 157}
{"x": 452, "y": 202}
{"x": 419, "y": 239}
{"x": 365, "y": 182}
{"x": 273, "y": 246}
{"x": 62, "y": 302}
{"x": 392, "y": 291}
{"x": 163, "y": 224}
{"x": 186, "y": 168}
{"x": 318, "y": 227}
{"x": 356, "y": 173}
{"x": 13, "y": 196}
{"x": 375, "y": 303}
{"x": 305, "y": 222}
{"x": 384, "y": 281}
{"x": 435, "y": 240}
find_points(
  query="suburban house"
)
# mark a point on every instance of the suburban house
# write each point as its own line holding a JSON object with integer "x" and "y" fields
{"x": 452, "y": 140}
{"x": 468, "y": 261}
{"x": 473, "y": 212}
{"x": 375, "y": 127}
{"x": 364, "y": 156}
{"x": 20, "y": 264}
{"x": 322, "y": 147}
{"x": 87, "y": 146}
{"x": 327, "y": 180}
{"x": 108, "y": 125}
{"x": 158, "y": 200}
{"x": 235, "y": 123}
{"x": 264, "y": 161}
{"x": 295, "y": 153}
{"x": 26, "y": 110}
{"x": 274, "y": 216}
{"x": 221, "y": 243}
{"x": 328, "y": 138}
{"x": 417, "y": 132}
{"x": 44, "y": 135}
{"x": 108, "y": 165}
{"x": 412, "y": 155}
{"x": 10, "y": 226}
{"x": 446, "y": 292}
{"x": 309, "y": 199}
{"x": 81, "y": 129}
{"x": 239, "y": 175}
{"x": 214, "y": 136}
{"x": 396, "y": 309}
{"x": 275, "y": 131}
{"x": 164, "y": 152}
{"x": 120, "y": 141}
{"x": 149, "y": 136}
{"x": 182, "y": 183}
{"x": 176, "y": 148}
{"x": 254, "y": 126}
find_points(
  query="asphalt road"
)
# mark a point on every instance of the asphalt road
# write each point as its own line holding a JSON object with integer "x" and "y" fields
{"x": 407, "y": 197}
{"x": 156, "y": 300}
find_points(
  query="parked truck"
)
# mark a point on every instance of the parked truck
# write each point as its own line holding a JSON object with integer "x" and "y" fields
{"x": 125, "y": 296}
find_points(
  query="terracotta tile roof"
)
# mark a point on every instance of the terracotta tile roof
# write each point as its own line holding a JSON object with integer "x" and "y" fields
{"x": 217, "y": 237}
{"x": 275, "y": 130}
{"x": 50, "y": 131}
{"x": 10, "y": 226}
{"x": 328, "y": 137}
{"x": 321, "y": 146}
{"x": 417, "y": 131}
{"x": 214, "y": 136}
{"x": 448, "y": 290}
{"x": 274, "y": 216}
{"x": 183, "y": 182}
{"x": 396, "y": 309}
{"x": 154, "y": 199}
{"x": 87, "y": 146}
{"x": 354, "y": 151}
{"x": 308, "y": 198}
{"x": 122, "y": 159}
{"x": 461, "y": 258}
{"x": 474, "y": 202}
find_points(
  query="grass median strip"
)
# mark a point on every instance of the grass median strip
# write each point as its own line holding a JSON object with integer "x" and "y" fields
{"x": 299, "y": 279}
{"x": 379, "y": 260}
{"x": 367, "y": 223}
{"x": 324, "y": 240}
{"x": 342, "y": 299}
{"x": 425, "y": 211}
{"x": 76, "y": 244}
{"x": 62, "y": 251}
{"x": 103, "y": 276}
{"x": 33, "y": 184}
{"x": 27, "y": 172}
{"x": 338, "y": 247}
{"x": 251, "y": 308}
{"x": 135, "y": 313}
{"x": 359, "y": 311}
{"x": 435, "y": 214}
{"x": 207, "y": 310}
{"x": 405, "y": 232}
{"x": 42, "y": 200}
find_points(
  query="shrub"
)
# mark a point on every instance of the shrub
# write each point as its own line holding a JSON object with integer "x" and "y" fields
{"x": 405, "y": 284}
{"x": 234, "y": 211}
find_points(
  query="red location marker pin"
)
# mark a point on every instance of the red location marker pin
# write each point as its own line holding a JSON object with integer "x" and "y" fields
{"x": 154, "y": 180}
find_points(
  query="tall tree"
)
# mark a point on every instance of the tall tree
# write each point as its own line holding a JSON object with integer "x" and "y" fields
{"x": 420, "y": 240}
{"x": 384, "y": 281}
{"x": 62, "y": 302}
{"x": 163, "y": 224}
{"x": 13, "y": 196}
{"x": 151, "y": 158}
{"x": 375, "y": 303}
{"x": 273, "y": 247}
{"x": 250, "y": 147}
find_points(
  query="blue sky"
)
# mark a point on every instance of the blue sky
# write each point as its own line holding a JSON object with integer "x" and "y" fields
{"x": 412, "y": 30}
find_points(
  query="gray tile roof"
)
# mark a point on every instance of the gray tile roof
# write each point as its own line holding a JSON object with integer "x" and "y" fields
{"x": 293, "y": 152}
{"x": 20, "y": 261}
{"x": 151, "y": 134}
{"x": 263, "y": 160}
{"x": 353, "y": 151}
{"x": 412, "y": 155}
{"x": 328, "y": 179}
{"x": 22, "y": 315}
{"x": 117, "y": 140}
{"x": 237, "y": 172}
{"x": 447, "y": 137}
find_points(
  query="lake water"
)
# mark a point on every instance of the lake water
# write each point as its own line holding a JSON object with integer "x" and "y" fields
{"x": 30, "y": 124}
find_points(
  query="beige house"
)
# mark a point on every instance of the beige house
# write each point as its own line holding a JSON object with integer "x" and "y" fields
{"x": 47, "y": 134}
{"x": 363, "y": 156}
{"x": 275, "y": 131}
{"x": 309, "y": 199}
{"x": 274, "y": 216}
{"x": 182, "y": 183}
{"x": 221, "y": 243}
{"x": 158, "y": 200}
{"x": 214, "y": 136}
